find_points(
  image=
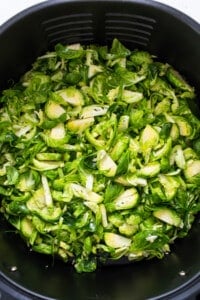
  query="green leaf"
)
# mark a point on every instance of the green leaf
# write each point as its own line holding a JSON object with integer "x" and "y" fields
{"x": 118, "y": 49}
{"x": 12, "y": 175}
{"x": 67, "y": 53}
{"x": 112, "y": 191}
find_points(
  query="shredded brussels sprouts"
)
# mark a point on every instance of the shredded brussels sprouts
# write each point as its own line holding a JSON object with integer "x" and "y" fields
{"x": 99, "y": 155}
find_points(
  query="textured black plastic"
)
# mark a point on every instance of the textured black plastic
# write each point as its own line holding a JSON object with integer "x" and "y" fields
{"x": 164, "y": 32}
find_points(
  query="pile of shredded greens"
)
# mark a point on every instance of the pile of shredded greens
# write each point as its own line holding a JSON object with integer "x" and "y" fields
{"x": 99, "y": 155}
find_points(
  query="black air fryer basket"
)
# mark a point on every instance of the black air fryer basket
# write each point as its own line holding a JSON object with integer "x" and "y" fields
{"x": 173, "y": 38}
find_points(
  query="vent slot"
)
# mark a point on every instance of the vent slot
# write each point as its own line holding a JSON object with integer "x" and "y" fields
{"x": 129, "y": 28}
{"x": 69, "y": 29}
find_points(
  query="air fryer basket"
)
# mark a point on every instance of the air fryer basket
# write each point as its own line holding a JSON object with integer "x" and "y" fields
{"x": 151, "y": 26}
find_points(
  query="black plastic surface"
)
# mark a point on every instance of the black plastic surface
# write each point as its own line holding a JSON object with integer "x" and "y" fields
{"x": 164, "y": 32}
